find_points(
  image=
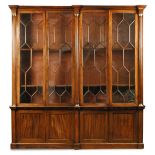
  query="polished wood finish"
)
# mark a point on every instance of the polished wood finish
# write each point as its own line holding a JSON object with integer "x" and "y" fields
{"x": 60, "y": 127}
{"x": 93, "y": 126}
{"x": 68, "y": 63}
{"x": 123, "y": 126}
{"x": 140, "y": 54}
{"x": 30, "y": 127}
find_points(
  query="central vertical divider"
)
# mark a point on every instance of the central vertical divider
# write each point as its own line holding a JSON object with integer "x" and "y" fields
{"x": 46, "y": 58}
{"x": 109, "y": 58}
{"x": 109, "y": 72}
{"x": 76, "y": 75}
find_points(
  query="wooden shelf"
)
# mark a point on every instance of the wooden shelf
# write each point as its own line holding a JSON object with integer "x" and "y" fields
{"x": 122, "y": 85}
{"x": 113, "y": 85}
{"x": 57, "y": 50}
{"x": 31, "y": 86}
{"x": 121, "y": 49}
{"x": 61, "y": 86}
{"x": 95, "y": 48}
{"x": 114, "y": 49}
{"x": 29, "y": 49}
{"x": 94, "y": 85}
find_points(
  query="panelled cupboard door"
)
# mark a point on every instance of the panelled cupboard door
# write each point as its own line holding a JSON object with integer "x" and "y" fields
{"x": 30, "y": 126}
{"x": 30, "y": 57}
{"x": 93, "y": 57}
{"x": 60, "y": 126}
{"x": 123, "y": 126}
{"x": 93, "y": 126}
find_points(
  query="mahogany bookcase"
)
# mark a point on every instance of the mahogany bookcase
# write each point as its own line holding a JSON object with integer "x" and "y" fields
{"x": 77, "y": 74}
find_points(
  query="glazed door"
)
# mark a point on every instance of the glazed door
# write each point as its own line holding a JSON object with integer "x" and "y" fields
{"x": 31, "y": 79}
{"x": 93, "y": 58}
{"x": 124, "y": 58}
{"x": 59, "y": 58}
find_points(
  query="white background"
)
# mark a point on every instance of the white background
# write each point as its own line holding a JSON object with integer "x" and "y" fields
{"x": 6, "y": 76}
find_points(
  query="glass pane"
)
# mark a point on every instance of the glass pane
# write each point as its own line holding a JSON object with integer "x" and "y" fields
{"x": 94, "y": 57}
{"x": 123, "y": 57}
{"x": 31, "y": 58}
{"x": 60, "y": 53}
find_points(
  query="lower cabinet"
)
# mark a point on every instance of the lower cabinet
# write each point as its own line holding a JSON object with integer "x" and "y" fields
{"x": 96, "y": 129}
{"x": 43, "y": 129}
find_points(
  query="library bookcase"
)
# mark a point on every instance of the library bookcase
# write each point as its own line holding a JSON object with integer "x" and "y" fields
{"x": 77, "y": 74}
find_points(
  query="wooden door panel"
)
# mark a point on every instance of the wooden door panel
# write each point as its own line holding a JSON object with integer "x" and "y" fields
{"x": 60, "y": 126}
{"x": 93, "y": 126}
{"x": 122, "y": 126}
{"x": 30, "y": 126}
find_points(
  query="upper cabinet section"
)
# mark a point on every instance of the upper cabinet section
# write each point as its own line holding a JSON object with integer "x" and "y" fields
{"x": 78, "y": 55}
